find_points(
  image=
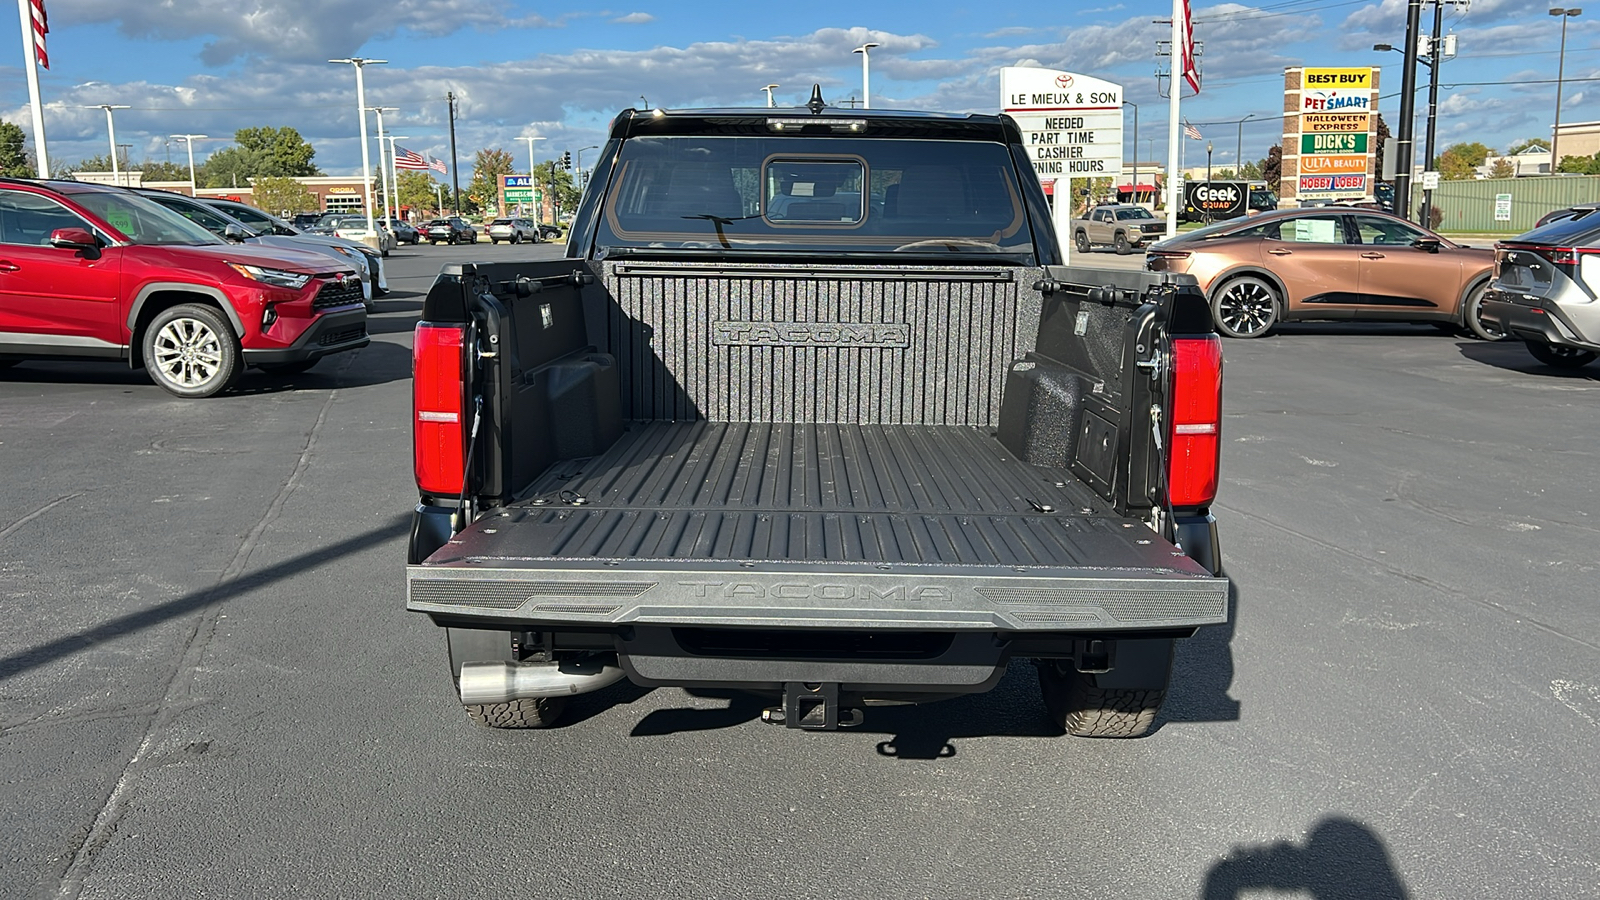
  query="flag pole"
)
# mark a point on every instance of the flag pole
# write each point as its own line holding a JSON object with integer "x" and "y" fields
{"x": 30, "y": 64}
{"x": 1174, "y": 135}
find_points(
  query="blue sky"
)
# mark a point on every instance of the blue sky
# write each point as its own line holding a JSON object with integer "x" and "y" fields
{"x": 213, "y": 66}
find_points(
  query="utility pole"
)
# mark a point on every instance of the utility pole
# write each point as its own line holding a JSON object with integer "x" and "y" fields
{"x": 1561, "y": 75}
{"x": 1405, "y": 141}
{"x": 455, "y": 164}
{"x": 1434, "y": 58}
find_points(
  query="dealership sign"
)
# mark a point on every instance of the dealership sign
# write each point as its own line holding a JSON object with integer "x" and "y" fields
{"x": 1071, "y": 124}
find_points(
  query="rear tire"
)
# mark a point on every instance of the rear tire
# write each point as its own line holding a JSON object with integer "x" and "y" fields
{"x": 1472, "y": 316}
{"x": 1560, "y": 357}
{"x": 536, "y": 713}
{"x": 1080, "y": 242}
{"x": 1083, "y": 710}
{"x": 1246, "y": 307}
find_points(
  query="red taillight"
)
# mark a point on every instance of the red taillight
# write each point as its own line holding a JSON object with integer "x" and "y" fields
{"x": 1196, "y": 433}
{"x": 1565, "y": 256}
{"x": 438, "y": 409}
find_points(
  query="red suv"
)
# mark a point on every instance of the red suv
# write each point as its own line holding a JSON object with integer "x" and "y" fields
{"x": 101, "y": 272}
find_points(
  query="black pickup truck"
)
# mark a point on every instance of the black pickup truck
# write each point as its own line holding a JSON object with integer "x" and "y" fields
{"x": 811, "y": 409}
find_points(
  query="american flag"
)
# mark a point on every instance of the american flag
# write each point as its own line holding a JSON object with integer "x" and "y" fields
{"x": 41, "y": 27}
{"x": 1188, "y": 66}
{"x": 438, "y": 166}
{"x": 1191, "y": 131}
{"x": 406, "y": 159}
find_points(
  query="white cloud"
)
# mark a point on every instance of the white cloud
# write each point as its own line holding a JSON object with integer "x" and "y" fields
{"x": 635, "y": 18}
{"x": 289, "y": 29}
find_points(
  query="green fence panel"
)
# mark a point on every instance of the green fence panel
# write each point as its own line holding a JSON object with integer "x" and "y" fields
{"x": 1468, "y": 206}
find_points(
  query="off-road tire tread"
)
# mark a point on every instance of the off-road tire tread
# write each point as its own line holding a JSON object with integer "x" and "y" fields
{"x": 1083, "y": 710}
{"x": 540, "y": 712}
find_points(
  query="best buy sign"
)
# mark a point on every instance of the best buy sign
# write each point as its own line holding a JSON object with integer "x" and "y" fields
{"x": 1312, "y": 144}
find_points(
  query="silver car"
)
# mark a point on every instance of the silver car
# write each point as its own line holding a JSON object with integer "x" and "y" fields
{"x": 266, "y": 223}
{"x": 1545, "y": 287}
{"x": 513, "y": 230}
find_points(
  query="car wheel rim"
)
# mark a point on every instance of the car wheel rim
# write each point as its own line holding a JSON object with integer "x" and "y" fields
{"x": 1246, "y": 308}
{"x": 188, "y": 353}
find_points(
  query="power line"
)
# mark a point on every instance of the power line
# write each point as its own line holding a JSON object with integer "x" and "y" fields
{"x": 1247, "y": 15}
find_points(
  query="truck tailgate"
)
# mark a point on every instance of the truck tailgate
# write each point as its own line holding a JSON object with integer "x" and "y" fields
{"x": 825, "y": 526}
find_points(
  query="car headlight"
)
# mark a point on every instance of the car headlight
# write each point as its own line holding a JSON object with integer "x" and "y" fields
{"x": 275, "y": 277}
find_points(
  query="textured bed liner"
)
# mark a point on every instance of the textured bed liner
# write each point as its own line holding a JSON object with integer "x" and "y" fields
{"x": 860, "y": 525}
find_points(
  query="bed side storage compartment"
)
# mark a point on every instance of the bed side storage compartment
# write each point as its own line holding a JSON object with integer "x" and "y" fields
{"x": 549, "y": 394}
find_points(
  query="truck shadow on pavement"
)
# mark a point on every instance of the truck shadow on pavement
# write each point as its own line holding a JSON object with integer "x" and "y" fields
{"x": 1202, "y": 676}
{"x": 44, "y": 654}
{"x": 1514, "y": 357}
{"x": 1341, "y": 859}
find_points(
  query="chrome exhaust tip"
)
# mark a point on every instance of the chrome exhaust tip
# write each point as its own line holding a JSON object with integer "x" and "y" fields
{"x": 485, "y": 683}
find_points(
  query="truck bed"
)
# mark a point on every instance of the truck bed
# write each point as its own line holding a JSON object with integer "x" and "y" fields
{"x": 836, "y": 526}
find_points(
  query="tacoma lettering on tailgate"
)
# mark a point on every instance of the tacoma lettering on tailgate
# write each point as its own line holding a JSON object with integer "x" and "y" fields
{"x": 894, "y": 335}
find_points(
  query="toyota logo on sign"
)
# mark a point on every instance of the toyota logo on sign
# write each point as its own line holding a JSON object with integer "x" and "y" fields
{"x": 1063, "y": 81}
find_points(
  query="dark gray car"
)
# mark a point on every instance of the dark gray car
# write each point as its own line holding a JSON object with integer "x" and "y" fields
{"x": 266, "y": 223}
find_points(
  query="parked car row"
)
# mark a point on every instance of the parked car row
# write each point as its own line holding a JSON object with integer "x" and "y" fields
{"x": 99, "y": 272}
{"x": 1337, "y": 262}
{"x": 234, "y": 221}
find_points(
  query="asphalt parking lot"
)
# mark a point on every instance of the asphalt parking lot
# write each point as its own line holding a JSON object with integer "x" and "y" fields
{"x": 209, "y": 687}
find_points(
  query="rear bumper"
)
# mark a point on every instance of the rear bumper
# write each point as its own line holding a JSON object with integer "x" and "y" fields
{"x": 701, "y": 594}
{"x": 1533, "y": 320}
{"x": 333, "y": 332}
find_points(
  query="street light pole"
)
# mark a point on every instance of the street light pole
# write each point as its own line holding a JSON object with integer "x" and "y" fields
{"x": 1238, "y": 151}
{"x": 538, "y": 208}
{"x": 1561, "y": 74}
{"x": 1135, "y": 148}
{"x": 111, "y": 126}
{"x": 768, "y": 89}
{"x": 577, "y": 159}
{"x": 360, "y": 64}
{"x": 1208, "y": 175}
{"x": 394, "y": 176}
{"x": 383, "y": 168}
{"x": 188, "y": 140}
{"x": 455, "y": 158}
{"x": 866, "y": 91}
